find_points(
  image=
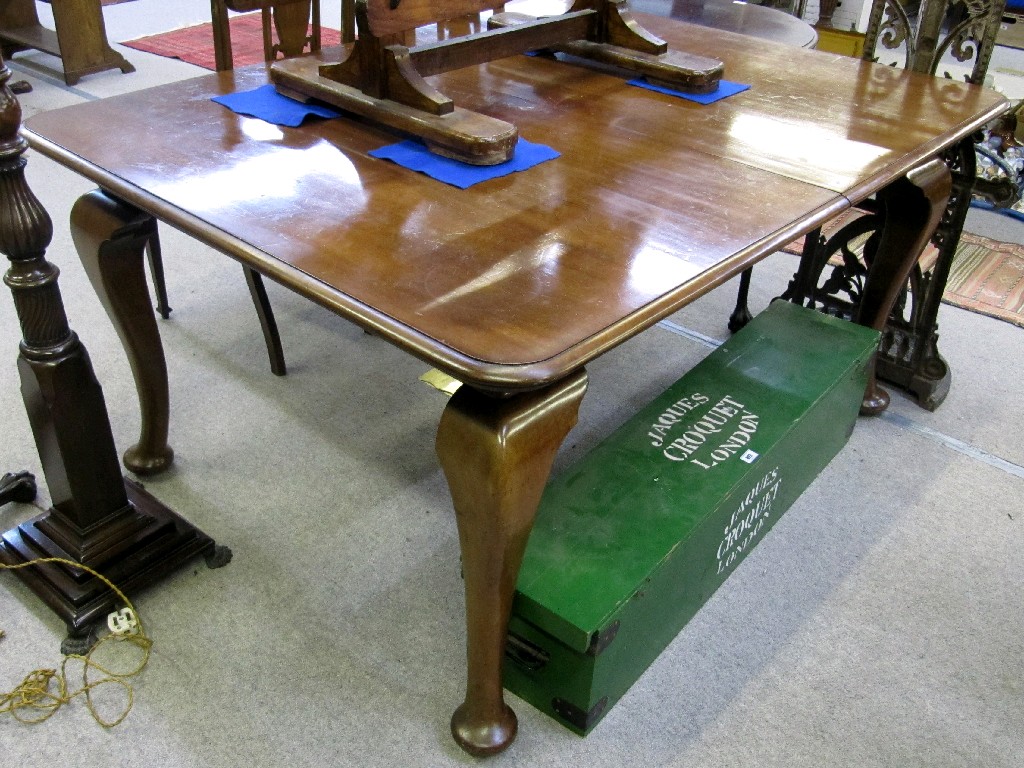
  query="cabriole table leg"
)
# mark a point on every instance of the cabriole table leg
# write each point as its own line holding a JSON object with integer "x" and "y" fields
{"x": 912, "y": 206}
{"x": 497, "y": 455}
{"x": 111, "y": 238}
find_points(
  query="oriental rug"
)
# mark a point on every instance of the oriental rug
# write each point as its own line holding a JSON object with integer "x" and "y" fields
{"x": 195, "y": 44}
{"x": 988, "y": 277}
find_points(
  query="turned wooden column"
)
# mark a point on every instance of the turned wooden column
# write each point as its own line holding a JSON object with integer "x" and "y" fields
{"x": 97, "y": 518}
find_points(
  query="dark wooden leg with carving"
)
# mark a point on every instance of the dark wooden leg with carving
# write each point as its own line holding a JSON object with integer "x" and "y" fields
{"x": 98, "y": 518}
{"x": 111, "y": 238}
{"x": 913, "y": 206}
{"x": 497, "y": 455}
{"x": 291, "y": 21}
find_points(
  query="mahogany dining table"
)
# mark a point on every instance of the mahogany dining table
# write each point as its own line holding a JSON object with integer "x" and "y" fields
{"x": 512, "y": 286}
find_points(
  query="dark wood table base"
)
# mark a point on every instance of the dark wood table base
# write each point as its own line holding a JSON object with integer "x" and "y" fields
{"x": 133, "y": 548}
{"x": 98, "y": 519}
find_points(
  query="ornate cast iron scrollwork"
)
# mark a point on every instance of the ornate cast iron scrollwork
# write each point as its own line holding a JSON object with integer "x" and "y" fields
{"x": 833, "y": 270}
{"x": 889, "y": 25}
{"x": 973, "y": 36}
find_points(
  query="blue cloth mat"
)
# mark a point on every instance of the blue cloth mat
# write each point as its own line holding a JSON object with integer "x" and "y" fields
{"x": 725, "y": 89}
{"x": 267, "y": 104}
{"x": 415, "y": 156}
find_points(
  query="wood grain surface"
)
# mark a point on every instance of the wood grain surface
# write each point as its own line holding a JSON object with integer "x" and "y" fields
{"x": 517, "y": 281}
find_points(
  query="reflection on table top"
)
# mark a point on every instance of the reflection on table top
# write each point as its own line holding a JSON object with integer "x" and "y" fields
{"x": 520, "y": 280}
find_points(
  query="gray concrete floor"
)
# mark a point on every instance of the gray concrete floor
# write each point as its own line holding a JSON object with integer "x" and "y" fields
{"x": 879, "y": 624}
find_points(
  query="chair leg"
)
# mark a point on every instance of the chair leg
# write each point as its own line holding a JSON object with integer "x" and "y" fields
{"x": 256, "y": 289}
{"x": 348, "y": 21}
{"x": 156, "y": 270}
{"x": 315, "y": 37}
{"x": 262, "y": 303}
{"x": 221, "y": 36}
{"x": 269, "y": 54}
{"x": 741, "y": 314}
{"x": 291, "y": 21}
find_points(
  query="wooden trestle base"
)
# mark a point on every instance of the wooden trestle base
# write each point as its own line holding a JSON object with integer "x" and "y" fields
{"x": 462, "y": 134}
{"x": 382, "y": 79}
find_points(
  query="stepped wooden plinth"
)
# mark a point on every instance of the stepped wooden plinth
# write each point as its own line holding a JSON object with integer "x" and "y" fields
{"x": 98, "y": 519}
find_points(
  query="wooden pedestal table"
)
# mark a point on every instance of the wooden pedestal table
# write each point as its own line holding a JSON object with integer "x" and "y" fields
{"x": 80, "y": 39}
{"x": 513, "y": 286}
{"x": 98, "y": 518}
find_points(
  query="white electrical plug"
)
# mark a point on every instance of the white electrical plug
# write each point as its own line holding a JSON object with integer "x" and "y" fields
{"x": 123, "y": 622}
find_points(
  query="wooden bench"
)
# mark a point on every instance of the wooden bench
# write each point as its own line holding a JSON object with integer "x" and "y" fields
{"x": 80, "y": 39}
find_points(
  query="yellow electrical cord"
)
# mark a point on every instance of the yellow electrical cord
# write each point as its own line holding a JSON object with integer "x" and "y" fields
{"x": 44, "y": 691}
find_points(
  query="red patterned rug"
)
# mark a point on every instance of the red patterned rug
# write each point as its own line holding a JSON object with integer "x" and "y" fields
{"x": 195, "y": 44}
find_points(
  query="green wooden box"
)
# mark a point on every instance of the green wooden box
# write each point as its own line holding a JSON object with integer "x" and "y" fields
{"x": 631, "y": 541}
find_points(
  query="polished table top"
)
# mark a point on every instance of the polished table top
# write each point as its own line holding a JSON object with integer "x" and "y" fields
{"x": 735, "y": 16}
{"x": 654, "y": 200}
